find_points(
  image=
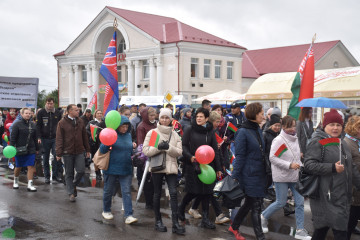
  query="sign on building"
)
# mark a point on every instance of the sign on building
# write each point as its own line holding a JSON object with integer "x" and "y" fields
{"x": 18, "y": 92}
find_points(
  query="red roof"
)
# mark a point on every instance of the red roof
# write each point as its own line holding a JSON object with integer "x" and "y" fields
{"x": 280, "y": 59}
{"x": 59, "y": 54}
{"x": 170, "y": 30}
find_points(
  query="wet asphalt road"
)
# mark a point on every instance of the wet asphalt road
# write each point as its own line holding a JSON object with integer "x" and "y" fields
{"x": 48, "y": 214}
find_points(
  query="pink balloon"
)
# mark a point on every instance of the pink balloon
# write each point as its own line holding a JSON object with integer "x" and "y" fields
{"x": 8, "y": 125}
{"x": 108, "y": 136}
{"x": 204, "y": 154}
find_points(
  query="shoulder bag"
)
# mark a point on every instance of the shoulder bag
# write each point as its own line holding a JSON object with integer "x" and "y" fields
{"x": 23, "y": 150}
{"x": 158, "y": 162}
{"x": 101, "y": 161}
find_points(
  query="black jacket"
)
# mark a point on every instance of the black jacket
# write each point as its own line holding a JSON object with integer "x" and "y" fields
{"x": 20, "y": 133}
{"x": 194, "y": 137}
{"x": 269, "y": 136}
{"x": 46, "y": 123}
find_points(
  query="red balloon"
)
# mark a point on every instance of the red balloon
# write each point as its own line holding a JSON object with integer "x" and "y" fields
{"x": 204, "y": 154}
{"x": 8, "y": 125}
{"x": 108, "y": 136}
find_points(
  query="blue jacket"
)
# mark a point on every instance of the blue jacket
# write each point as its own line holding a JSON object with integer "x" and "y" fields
{"x": 120, "y": 156}
{"x": 249, "y": 166}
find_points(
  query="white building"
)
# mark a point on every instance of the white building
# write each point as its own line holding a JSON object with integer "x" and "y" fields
{"x": 156, "y": 54}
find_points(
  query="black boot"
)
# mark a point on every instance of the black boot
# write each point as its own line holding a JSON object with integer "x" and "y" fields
{"x": 176, "y": 227}
{"x": 206, "y": 223}
{"x": 256, "y": 219}
{"x": 288, "y": 210}
{"x": 98, "y": 175}
{"x": 159, "y": 226}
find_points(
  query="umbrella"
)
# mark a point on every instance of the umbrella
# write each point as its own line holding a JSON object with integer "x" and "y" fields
{"x": 321, "y": 102}
{"x": 147, "y": 164}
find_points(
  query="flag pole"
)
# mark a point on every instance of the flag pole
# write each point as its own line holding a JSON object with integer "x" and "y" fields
{"x": 340, "y": 151}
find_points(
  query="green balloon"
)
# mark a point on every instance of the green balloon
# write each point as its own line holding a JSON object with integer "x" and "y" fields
{"x": 6, "y": 138}
{"x": 8, "y": 233}
{"x": 113, "y": 119}
{"x": 9, "y": 151}
{"x": 207, "y": 174}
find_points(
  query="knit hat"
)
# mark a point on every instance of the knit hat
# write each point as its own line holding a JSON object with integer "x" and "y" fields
{"x": 166, "y": 112}
{"x": 185, "y": 110}
{"x": 274, "y": 119}
{"x": 276, "y": 111}
{"x": 332, "y": 117}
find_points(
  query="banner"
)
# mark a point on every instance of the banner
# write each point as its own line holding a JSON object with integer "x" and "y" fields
{"x": 18, "y": 92}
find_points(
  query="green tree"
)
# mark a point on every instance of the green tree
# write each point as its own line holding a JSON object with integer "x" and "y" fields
{"x": 43, "y": 95}
{"x": 41, "y": 99}
{"x": 55, "y": 95}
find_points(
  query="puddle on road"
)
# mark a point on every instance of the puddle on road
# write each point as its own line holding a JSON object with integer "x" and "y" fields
{"x": 21, "y": 227}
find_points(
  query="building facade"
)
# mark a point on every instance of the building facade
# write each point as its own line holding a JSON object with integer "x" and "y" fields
{"x": 155, "y": 55}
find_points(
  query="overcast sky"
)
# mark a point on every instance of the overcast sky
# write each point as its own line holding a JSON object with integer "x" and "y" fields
{"x": 31, "y": 31}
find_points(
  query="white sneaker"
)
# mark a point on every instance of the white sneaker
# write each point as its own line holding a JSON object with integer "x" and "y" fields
{"x": 264, "y": 224}
{"x": 16, "y": 183}
{"x": 107, "y": 215}
{"x": 31, "y": 187}
{"x": 130, "y": 219}
{"x": 221, "y": 219}
{"x": 302, "y": 234}
{"x": 195, "y": 213}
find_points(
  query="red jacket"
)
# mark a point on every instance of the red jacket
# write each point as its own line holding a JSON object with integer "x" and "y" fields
{"x": 8, "y": 120}
{"x": 144, "y": 127}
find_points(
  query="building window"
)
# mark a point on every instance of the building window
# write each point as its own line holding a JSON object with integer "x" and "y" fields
{"x": 336, "y": 64}
{"x": 193, "y": 97}
{"x": 146, "y": 70}
{"x": 207, "y": 63}
{"x": 217, "y": 69}
{"x": 194, "y": 67}
{"x": 84, "y": 75}
{"x": 84, "y": 103}
{"x": 229, "y": 70}
{"x": 119, "y": 73}
{"x": 121, "y": 46}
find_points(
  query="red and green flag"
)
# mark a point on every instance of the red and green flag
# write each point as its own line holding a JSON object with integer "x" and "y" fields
{"x": 303, "y": 84}
{"x": 219, "y": 139}
{"x": 154, "y": 139}
{"x": 93, "y": 129}
{"x": 330, "y": 141}
{"x": 232, "y": 127}
{"x": 232, "y": 157}
{"x": 282, "y": 149}
{"x": 93, "y": 103}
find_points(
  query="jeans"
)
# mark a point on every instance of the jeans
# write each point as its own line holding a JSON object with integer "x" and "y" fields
{"x": 281, "y": 189}
{"x": 73, "y": 161}
{"x": 320, "y": 234}
{"x": 49, "y": 145}
{"x": 171, "y": 180}
{"x": 109, "y": 185}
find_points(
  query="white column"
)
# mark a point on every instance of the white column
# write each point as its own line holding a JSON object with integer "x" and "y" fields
{"x": 90, "y": 90}
{"x": 130, "y": 78}
{"x": 159, "y": 84}
{"x": 77, "y": 84}
{"x": 95, "y": 77}
{"x": 71, "y": 86}
{"x": 153, "y": 88}
{"x": 137, "y": 77}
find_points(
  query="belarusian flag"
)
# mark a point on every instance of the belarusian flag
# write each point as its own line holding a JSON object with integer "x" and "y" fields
{"x": 93, "y": 103}
{"x": 232, "y": 127}
{"x": 154, "y": 139}
{"x": 93, "y": 129}
{"x": 232, "y": 157}
{"x": 282, "y": 149}
{"x": 330, "y": 141}
{"x": 219, "y": 139}
{"x": 303, "y": 84}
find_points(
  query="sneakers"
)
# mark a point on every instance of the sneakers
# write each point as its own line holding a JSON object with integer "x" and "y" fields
{"x": 107, "y": 215}
{"x": 31, "y": 187}
{"x": 221, "y": 219}
{"x": 302, "y": 234}
{"x": 72, "y": 198}
{"x": 16, "y": 183}
{"x": 236, "y": 233}
{"x": 130, "y": 220}
{"x": 264, "y": 224}
{"x": 195, "y": 213}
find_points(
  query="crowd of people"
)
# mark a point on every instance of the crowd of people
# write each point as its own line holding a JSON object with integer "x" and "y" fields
{"x": 263, "y": 152}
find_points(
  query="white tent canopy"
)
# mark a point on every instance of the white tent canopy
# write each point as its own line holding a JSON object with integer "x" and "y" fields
{"x": 224, "y": 95}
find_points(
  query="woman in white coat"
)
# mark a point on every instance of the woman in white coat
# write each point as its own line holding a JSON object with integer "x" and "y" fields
{"x": 285, "y": 161}
{"x": 158, "y": 141}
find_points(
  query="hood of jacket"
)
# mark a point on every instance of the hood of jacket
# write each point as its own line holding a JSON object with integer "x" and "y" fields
{"x": 145, "y": 117}
{"x": 125, "y": 120}
{"x": 198, "y": 128}
{"x": 288, "y": 137}
{"x": 321, "y": 134}
{"x": 8, "y": 116}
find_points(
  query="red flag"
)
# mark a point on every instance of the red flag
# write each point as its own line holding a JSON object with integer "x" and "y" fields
{"x": 219, "y": 139}
{"x": 93, "y": 103}
{"x": 307, "y": 82}
{"x": 93, "y": 129}
{"x": 154, "y": 139}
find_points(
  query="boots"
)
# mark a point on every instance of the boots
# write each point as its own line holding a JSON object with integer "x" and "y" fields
{"x": 31, "y": 187}
{"x": 159, "y": 226}
{"x": 206, "y": 223}
{"x": 288, "y": 210}
{"x": 16, "y": 183}
{"x": 176, "y": 227}
{"x": 256, "y": 219}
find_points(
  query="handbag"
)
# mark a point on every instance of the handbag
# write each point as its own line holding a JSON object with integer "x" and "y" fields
{"x": 101, "y": 160}
{"x": 231, "y": 191}
{"x": 308, "y": 184}
{"x": 23, "y": 150}
{"x": 158, "y": 162}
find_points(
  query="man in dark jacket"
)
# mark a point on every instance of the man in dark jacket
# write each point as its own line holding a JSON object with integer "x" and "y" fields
{"x": 46, "y": 124}
{"x": 236, "y": 117}
{"x": 71, "y": 144}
